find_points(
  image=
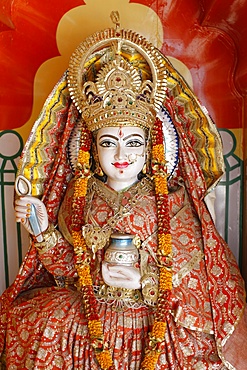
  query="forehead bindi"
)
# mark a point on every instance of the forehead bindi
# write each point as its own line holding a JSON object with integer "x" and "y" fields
{"x": 120, "y": 132}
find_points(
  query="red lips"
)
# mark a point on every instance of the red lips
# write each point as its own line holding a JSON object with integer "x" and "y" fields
{"x": 121, "y": 165}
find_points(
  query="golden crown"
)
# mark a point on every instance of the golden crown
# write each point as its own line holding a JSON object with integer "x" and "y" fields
{"x": 116, "y": 77}
{"x": 118, "y": 97}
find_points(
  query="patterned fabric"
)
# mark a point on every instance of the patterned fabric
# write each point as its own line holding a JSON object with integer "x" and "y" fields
{"x": 51, "y": 332}
{"x": 42, "y": 323}
{"x": 46, "y": 327}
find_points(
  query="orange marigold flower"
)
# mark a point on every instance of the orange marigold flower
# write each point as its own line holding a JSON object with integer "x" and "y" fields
{"x": 158, "y": 153}
{"x": 104, "y": 359}
{"x": 150, "y": 360}
{"x": 95, "y": 328}
{"x": 165, "y": 282}
{"x": 78, "y": 240}
{"x": 159, "y": 330}
{"x": 80, "y": 189}
{"x": 83, "y": 157}
{"x": 161, "y": 185}
{"x": 84, "y": 275}
{"x": 165, "y": 243}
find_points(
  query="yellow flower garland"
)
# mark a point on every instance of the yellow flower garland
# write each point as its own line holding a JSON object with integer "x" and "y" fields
{"x": 83, "y": 157}
{"x": 95, "y": 329}
{"x": 158, "y": 153}
{"x": 164, "y": 250}
{"x": 150, "y": 360}
{"x": 79, "y": 241}
{"x": 165, "y": 282}
{"x": 80, "y": 189}
{"x": 159, "y": 329}
{"x": 164, "y": 241}
{"x": 104, "y": 359}
{"x": 84, "y": 273}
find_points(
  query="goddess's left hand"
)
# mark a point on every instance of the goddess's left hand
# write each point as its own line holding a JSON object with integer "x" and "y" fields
{"x": 121, "y": 276}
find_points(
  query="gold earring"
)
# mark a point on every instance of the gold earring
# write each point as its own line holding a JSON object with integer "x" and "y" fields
{"x": 98, "y": 170}
{"x": 144, "y": 169}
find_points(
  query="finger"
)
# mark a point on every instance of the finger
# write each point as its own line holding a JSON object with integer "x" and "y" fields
{"x": 114, "y": 268}
{"x": 119, "y": 275}
{"x": 22, "y": 220}
{"x": 35, "y": 201}
{"x": 105, "y": 267}
{"x": 20, "y": 214}
{"x": 22, "y": 208}
{"x": 21, "y": 203}
{"x": 27, "y": 201}
{"x": 24, "y": 199}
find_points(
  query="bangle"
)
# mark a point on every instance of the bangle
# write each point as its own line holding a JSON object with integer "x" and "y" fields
{"x": 50, "y": 238}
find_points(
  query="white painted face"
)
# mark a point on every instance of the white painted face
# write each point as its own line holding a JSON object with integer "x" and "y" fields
{"x": 121, "y": 152}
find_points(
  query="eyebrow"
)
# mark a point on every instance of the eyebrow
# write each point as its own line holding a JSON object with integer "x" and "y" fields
{"x": 127, "y": 137}
{"x": 116, "y": 138}
{"x": 108, "y": 135}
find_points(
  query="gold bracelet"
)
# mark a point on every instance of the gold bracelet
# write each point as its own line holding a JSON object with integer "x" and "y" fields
{"x": 50, "y": 239}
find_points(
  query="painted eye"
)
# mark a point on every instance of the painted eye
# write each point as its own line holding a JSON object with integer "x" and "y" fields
{"x": 134, "y": 143}
{"x": 107, "y": 144}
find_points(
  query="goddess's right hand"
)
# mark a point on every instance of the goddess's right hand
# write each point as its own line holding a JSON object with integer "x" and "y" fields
{"x": 23, "y": 209}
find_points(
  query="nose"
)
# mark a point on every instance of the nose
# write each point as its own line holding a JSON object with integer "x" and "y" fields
{"x": 120, "y": 153}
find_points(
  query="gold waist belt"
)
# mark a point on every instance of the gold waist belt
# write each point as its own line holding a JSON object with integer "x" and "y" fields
{"x": 120, "y": 298}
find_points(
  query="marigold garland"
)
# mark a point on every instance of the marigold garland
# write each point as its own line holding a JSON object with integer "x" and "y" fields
{"x": 84, "y": 275}
{"x": 164, "y": 250}
{"x": 104, "y": 359}
{"x": 160, "y": 185}
{"x": 165, "y": 278}
{"x": 82, "y": 260}
{"x": 164, "y": 241}
{"x": 83, "y": 157}
{"x": 158, "y": 152}
{"x": 159, "y": 329}
{"x": 78, "y": 239}
{"x": 95, "y": 328}
{"x": 80, "y": 189}
{"x": 150, "y": 360}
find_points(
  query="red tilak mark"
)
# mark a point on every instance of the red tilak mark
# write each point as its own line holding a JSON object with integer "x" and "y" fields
{"x": 120, "y": 132}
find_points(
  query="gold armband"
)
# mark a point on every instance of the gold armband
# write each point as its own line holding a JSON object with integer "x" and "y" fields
{"x": 50, "y": 239}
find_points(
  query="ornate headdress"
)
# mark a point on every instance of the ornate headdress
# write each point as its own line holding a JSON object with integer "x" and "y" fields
{"x": 117, "y": 97}
{"x": 115, "y": 81}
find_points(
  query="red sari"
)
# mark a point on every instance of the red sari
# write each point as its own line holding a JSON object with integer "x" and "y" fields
{"x": 42, "y": 322}
{"x": 46, "y": 327}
